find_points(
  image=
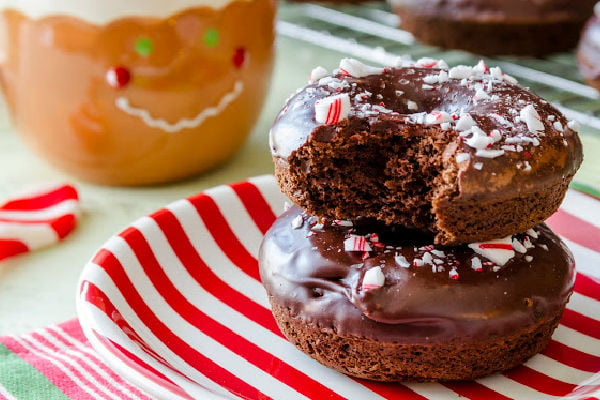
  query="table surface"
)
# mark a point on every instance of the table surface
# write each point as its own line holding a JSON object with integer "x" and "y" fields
{"x": 38, "y": 288}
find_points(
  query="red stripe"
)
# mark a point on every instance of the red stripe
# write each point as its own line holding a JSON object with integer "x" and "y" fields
{"x": 588, "y": 286}
{"x": 501, "y": 246}
{"x": 572, "y": 357}
{"x": 338, "y": 110}
{"x": 576, "y": 229}
{"x": 219, "y": 228}
{"x": 93, "y": 295}
{"x": 256, "y": 206}
{"x": 581, "y": 323}
{"x": 42, "y": 200}
{"x": 11, "y": 247}
{"x": 475, "y": 390}
{"x": 64, "y": 225}
{"x": 137, "y": 364}
{"x": 329, "y": 111}
{"x": 391, "y": 390}
{"x": 219, "y": 332}
{"x": 205, "y": 276}
{"x": 539, "y": 381}
{"x": 177, "y": 345}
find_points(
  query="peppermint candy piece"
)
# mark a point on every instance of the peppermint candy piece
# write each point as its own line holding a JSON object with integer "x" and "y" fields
{"x": 331, "y": 110}
{"x": 480, "y": 140}
{"x": 356, "y": 243}
{"x": 373, "y": 280}
{"x": 499, "y": 251}
{"x": 316, "y": 74}
{"x": 437, "y": 117}
{"x": 401, "y": 261}
{"x": 530, "y": 116}
{"x": 465, "y": 122}
{"x": 427, "y": 62}
{"x": 355, "y": 68}
{"x": 37, "y": 219}
{"x": 481, "y": 68}
{"x": 460, "y": 72}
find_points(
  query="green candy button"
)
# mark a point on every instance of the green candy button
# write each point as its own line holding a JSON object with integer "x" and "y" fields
{"x": 144, "y": 46}
{"x": 211, "y": 37}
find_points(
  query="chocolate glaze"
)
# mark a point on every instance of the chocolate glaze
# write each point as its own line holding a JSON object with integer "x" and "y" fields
{"x": 543, "y": 158}
{"x": 307, "y": 269}
{"x": 502, "y": 11}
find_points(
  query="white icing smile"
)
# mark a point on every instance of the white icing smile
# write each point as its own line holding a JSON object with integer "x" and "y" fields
{"x": 123, "y": 104}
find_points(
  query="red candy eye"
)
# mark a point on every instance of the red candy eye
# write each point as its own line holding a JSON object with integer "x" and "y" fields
{"x": 239, "y": 57}
{"x": 118, "y": 77}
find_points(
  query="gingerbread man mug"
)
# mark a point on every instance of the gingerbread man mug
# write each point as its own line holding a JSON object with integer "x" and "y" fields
{"x": 134, "y": 92}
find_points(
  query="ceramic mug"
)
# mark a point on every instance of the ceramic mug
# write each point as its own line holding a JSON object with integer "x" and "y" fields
{"x": 133, "y": 92}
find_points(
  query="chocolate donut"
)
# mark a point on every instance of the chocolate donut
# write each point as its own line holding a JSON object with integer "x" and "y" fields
{"x": 463, "y": 152}
{"x": 588, "y": 51}
{"x": 496, "y": 26}
{"x": 385, "y": 304}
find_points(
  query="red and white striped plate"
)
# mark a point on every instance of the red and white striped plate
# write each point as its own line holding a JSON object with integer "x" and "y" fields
{"x": 174, "y": 304}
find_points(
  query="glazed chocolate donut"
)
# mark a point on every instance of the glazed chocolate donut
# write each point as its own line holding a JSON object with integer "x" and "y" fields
{"x": 463, "y": 152}
{"x": 496, "y": 26}
{"x": 385, "y": 304}
{"x": 588, "y": 51}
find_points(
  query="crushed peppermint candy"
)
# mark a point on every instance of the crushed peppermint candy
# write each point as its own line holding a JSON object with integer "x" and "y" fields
{"x": 427, "y": 258}
{"x": 479, "y": 140}
{"x": 319, "y": 226}
{"x": 317, "y": 74}
{"x": 412, "y": 105}
{"x": 298, "y": 222}
{"x": 357, "y": 69}
{"x": 481, "y": 68}
{"x": 499, "y": 251}
{"x": 558, "y": 126}
{"x": 518, "y": 246}
{"x": 427, "y": 62}
{"x": 401, "y": 261}
{"x": 453, "y": 274}
{"x": 356, "y": 243}
{"x": 437, "y": 117}
{"x": 476, "y": 264}
{"x": 481, "y": 94}
{"x": 574, "y": 125}
{"x": 533, "y": 233}
{"x": 332, "y": 109}
{"x": 374, "y": 279}
{"x": 489, "y": 153}
{"x": 465, "y": 122}
{"x": 460, "y": 72}
{"x": 344, "y": 222}
{"x": 530, "y": 116}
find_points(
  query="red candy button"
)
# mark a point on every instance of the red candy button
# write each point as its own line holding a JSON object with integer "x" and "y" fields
{"x": 118, "y": 77}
